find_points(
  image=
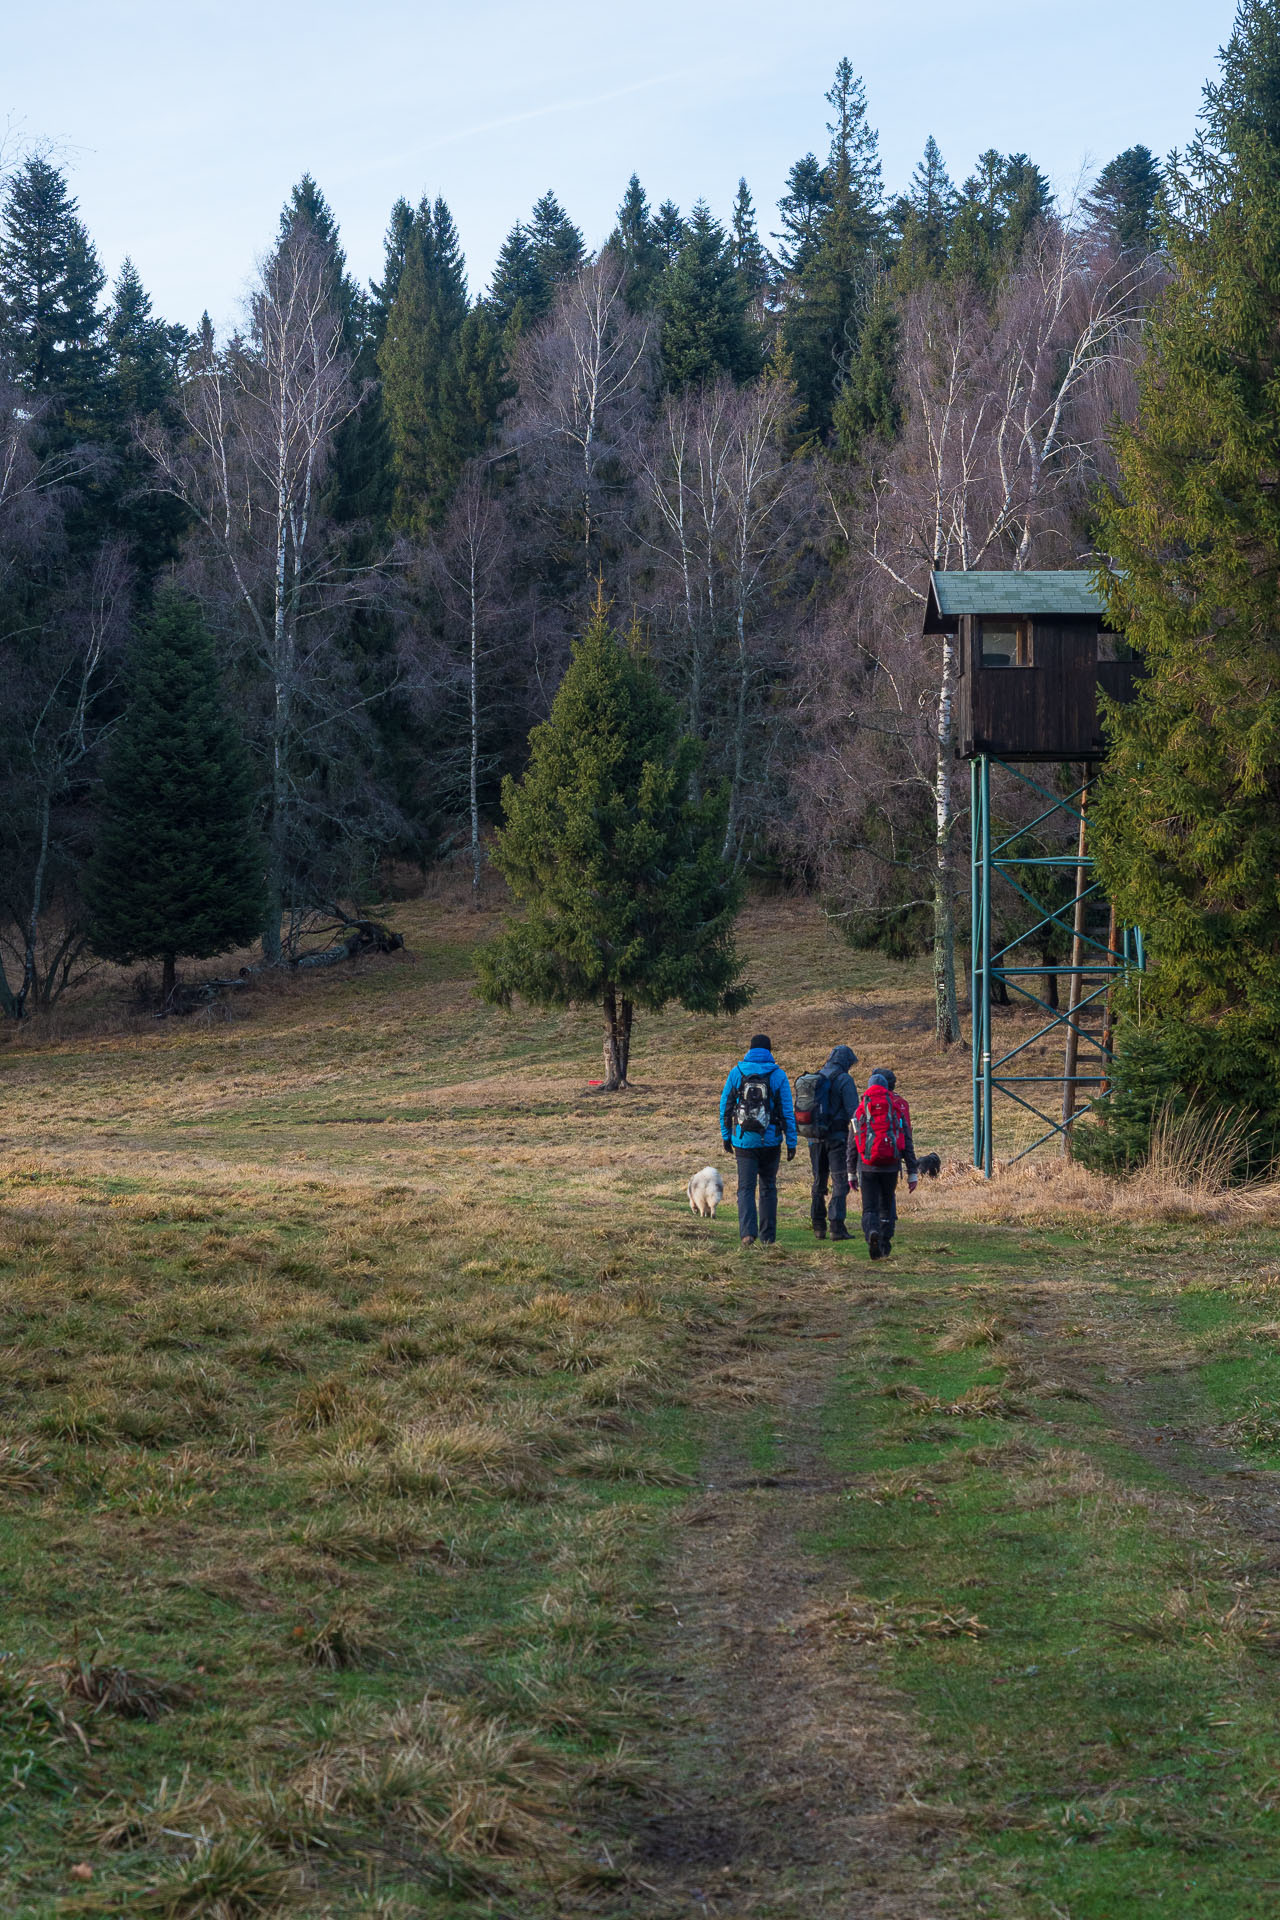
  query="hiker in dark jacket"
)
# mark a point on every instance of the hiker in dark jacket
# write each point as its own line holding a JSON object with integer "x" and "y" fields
{"x": 829, "y": 1155}
{"x": 756, "y": 1117}
{"x": 883, "y": 1142}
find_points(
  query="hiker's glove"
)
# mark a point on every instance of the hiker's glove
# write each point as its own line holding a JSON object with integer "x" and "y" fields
{"x": 727, "y": 1145}
{"x": 912, "y": 1184}
{"x": 791, "y": 1153}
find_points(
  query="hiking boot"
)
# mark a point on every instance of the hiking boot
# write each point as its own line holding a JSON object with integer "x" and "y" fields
{"x": 886, "y": 1249}
{"x": 820, "y": 1229}
{"x": 748, "y": 1240}
{"x": 839, "y": 1231}
{"x": 873, "y": 1245}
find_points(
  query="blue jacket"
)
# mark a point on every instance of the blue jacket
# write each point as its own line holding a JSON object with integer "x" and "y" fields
{"x": 842, "y": 1092}
{"x": 757, "y": 1061}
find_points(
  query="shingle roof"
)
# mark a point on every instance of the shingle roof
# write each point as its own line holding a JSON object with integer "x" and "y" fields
{"x": 951, "y": 594}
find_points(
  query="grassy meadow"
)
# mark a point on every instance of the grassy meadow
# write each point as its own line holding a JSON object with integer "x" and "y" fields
{"x": 408, "y": 1508}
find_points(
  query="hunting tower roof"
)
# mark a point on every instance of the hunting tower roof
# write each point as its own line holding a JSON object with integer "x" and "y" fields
{"x": 1065, "y": 594}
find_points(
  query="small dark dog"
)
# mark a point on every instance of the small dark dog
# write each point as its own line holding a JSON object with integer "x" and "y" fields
{"x": 930, "y": 1165}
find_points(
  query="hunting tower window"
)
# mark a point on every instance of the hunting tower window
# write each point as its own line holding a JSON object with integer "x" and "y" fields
{"x": 1007, "y": 643}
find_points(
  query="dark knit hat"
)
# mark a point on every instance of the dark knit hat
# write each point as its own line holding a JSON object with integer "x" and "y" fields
{"x": 760, "y": 1043}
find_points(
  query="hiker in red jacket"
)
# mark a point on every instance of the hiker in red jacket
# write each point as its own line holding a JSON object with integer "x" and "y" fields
{"x": 882, "y": 1134}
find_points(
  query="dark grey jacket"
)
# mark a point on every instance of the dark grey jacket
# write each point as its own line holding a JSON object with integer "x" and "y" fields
{"x": 842, "y": 1093}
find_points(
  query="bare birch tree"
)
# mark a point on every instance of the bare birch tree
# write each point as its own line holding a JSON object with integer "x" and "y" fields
{"x": 583, "y": 379}
{"x": 470, "y": 559}
{"x": 1003, "y": 434}
{"x": 258, "y": 422}
{"x": 726, "y": 511}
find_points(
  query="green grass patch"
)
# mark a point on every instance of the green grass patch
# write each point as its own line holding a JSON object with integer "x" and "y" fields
{"x": 1109, "y": 1703}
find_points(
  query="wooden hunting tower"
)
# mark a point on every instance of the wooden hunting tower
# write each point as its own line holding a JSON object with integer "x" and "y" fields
{"x": 1033, "y": 650}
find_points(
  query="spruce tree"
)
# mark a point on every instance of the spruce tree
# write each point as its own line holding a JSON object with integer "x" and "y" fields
{"x": 1188, "y": 822}
{"x": 703, "y": 302}
{"x": 829, "y": 294}
{"x": 802, "y": 207}
{"x": 308, "y": 211}
{"x": 923, "y": 219}
{"x": 670, "y": 231}
{"x": 382, "y": 293}
{"x": 1004, "y": 200}
{"x": 520, "y": 292}
{"x": 139, "y": 381}
{"x": 557, "y": 243}
{"x": 754, "y": 268}
{"x": 1026, "y": 202}
{"x": 868, "y": 405}
{"x": 1124, "y": 201}
{"x": 178, "y": 867}
{"x": 50, "y": 284}
{"x": 426, "y": 393}
{"x": 138, "y": 349}
{"x": 627, "y": 899}
{"x": 635, "y": 241}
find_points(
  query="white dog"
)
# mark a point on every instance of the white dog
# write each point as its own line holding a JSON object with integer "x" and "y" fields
{"x": 706, "y": 1191}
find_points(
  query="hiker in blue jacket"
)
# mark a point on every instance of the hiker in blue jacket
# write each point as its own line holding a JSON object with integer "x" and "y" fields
{"x": 756, "y": 1117}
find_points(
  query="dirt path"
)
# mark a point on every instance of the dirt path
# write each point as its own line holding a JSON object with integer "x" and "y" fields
{"x": 785, "y": 1763}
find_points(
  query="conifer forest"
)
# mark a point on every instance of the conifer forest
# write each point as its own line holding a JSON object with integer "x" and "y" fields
{"x": 391, "y": 507}
{"x": 428, "y": 1489}
{"x": 332, "y": 563}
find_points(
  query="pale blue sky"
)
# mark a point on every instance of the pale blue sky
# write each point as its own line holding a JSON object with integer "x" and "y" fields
{"x": 183, "y": 123}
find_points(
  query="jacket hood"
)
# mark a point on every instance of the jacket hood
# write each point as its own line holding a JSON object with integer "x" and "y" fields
{"x": 840, "y": 1059}
{"x": 757, "y": 1057}
{"x": 883, "y": 1078}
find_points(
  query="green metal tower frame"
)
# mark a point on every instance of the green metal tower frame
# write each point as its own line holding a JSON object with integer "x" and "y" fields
{"x": 992, "y": 861}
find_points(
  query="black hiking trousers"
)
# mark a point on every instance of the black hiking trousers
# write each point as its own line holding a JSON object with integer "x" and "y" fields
{"x": 758, "y": 1164}
{"x": 879, "y": 1188}
{"x": 829, "y": 1160}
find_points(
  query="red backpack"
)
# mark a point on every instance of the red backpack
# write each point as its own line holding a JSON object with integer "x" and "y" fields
{"x": 879, "y": 1128}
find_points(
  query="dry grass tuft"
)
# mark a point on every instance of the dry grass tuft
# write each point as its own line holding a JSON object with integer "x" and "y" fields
{"x": 370, "y": 1537}
{"x": 23, "y": 1468}
{"x": 965, "y": 1334}
{"x": 107, "y": 1688}
{"x": 1195, "y": 1152}
{"x": 907, "y": 1485}
{"x": 1056, "y": 1192}
{"x": 865, "y": 1622}
{"x": 1258, "y": 1427}
{"x": 603, "y": 1460}
{"x": 1191, "y": 1614}
{"x": 231, "y": 1877}
{"x": 466, "y": 1784}
{"x": 339, "y": 1643}
{"x": 976, "y": 1403}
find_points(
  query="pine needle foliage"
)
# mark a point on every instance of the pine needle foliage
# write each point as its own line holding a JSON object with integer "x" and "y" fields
{"x": 178, "y": 866}
{"x": 1188, "y": 822}
{"x": 628, "y": 898}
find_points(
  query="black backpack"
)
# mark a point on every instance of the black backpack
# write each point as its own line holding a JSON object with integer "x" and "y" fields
{"x": 756, "y": 1104}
